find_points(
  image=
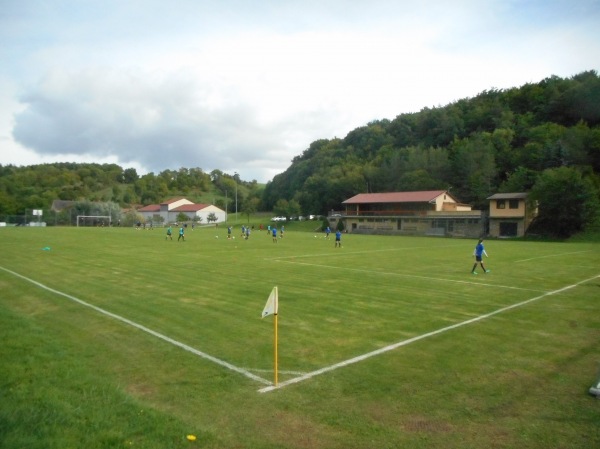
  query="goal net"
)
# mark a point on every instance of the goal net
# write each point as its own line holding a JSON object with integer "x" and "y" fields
{"x": 93, "y": 220}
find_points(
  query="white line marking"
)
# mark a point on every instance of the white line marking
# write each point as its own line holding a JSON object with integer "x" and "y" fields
{"x": 414, "y": 339}
{"x": 435, "y": 279}
{"x": 367, "y": 251}
{"x": 294, "y": 373}
{"x": 145, "y": 329}
{"x": 553, "y": 255}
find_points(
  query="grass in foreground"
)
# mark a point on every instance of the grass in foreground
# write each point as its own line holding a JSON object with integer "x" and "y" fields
{"x": 73, "y": 377}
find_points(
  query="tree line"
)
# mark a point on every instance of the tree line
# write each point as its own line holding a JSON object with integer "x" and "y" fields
{"x": 542, "y": 138}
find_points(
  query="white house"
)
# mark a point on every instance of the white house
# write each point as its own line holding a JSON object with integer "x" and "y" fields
{"x": 170, "y": 210}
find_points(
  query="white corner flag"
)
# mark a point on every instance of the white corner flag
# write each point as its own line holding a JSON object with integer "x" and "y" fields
{"x": 271, "y": 309}
{"x": 271, "y": 305}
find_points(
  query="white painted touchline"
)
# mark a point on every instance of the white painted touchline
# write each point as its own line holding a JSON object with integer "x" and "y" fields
{"x": 416, "y": 276}
{"x": 414, "y": 339}
{"x": 145, "y": 329}
{"x": 553, "y": 255}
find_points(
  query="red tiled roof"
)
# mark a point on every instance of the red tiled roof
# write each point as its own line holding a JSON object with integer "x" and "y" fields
{"x": 396, "y": 197}
{"x": 190, "y": 208}
{"x": 150, "y": 208}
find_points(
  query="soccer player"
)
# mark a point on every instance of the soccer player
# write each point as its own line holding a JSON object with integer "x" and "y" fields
{"x": 169, "y": 233}
{"x": 327, "y": 232}
{"x": 479, "y": 252}
{"x": 274, "y": 234}
{"x": 181, "y": 235}
{"x": 338, "y": 239}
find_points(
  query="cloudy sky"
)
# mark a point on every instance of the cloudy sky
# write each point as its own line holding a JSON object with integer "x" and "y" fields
{"x": 245, "y": 86}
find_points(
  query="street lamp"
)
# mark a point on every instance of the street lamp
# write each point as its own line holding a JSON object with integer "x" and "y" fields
{"x": 235, "y": 175}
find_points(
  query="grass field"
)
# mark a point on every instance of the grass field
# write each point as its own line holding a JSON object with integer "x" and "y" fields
{"x": 116, "y": 338}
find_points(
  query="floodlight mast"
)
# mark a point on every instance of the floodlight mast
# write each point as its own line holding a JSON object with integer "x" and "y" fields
{"x": 235, "y": 176}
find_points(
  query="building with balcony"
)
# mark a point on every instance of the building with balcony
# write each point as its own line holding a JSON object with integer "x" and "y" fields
{"x": 431, "y": 212}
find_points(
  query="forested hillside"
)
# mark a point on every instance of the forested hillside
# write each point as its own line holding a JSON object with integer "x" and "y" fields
{"x": 542, "y": 138}
{"x": 37, "y": 186}
{"x": 498, "y": 141}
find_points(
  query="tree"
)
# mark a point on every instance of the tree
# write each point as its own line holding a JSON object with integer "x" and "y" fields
{"x": 130, "y": 176}
{"x": 211, "y": 217}
{"x": 182, "y": 217}
{"x": 281, "y": 207}
{"x": 521, "y": 180}
{"x": 567, "y": 202}
{"x": 250, "y": 207}
{"x": 474, "y": 168}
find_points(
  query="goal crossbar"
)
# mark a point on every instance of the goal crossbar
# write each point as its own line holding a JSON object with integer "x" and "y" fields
{"x": 108, "y": 217}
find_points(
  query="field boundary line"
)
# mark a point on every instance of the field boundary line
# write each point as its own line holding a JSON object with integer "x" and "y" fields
{"x": 143, "y": 328}
{"x": 366, "y": 251}
{"x": 391, "y": 347}
{"x": 417, "y": 276}
{"x": 553, "y": 255}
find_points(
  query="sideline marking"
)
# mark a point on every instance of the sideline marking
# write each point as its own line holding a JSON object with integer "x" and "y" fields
{"x": 145, "y": 329}
{"x": 553, "y": 255}
{"x": 417, "y": 338}
{"x": 417, "y": 276}
{"x": 366, "y": 251}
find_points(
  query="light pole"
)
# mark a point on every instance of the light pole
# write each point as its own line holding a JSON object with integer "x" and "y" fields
{"x": 235, "y": 175}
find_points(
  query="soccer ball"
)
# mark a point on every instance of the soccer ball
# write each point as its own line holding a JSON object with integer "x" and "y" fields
{"x": 315, "y": 236}
{"x": 216, "y": 236}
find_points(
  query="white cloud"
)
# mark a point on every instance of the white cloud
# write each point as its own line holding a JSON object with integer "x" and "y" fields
{"x": 245, "y": 88}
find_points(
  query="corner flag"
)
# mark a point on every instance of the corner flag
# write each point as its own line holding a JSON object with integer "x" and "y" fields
{"x": 271, "y": 305}
{"x": 271, "y": 309}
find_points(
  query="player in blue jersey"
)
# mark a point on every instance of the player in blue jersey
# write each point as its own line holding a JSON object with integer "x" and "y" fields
{"x": 338, "y": 239}
{"x": 274, "y": 234}
{"x": 479, "y": 252}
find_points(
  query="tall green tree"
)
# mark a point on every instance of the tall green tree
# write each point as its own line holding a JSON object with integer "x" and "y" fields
{"x": 567, "y": 202}
{"x": 250, "y": 206}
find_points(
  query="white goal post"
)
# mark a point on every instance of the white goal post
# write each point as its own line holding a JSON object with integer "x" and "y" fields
{"x": 105, "y": 217}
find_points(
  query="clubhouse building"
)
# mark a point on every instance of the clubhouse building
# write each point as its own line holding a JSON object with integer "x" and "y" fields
{"x": 432, "y": 212}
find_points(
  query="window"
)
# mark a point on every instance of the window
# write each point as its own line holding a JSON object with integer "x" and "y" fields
{"x": 501, "y": 204}
{"x": 513, "y": 204}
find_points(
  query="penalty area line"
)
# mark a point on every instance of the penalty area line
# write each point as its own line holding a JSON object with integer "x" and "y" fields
{"x": 144, "y": 329}
{"x": 414, "y": 276}
{"x": 391, "y": 347}
{"x": 553, "y": 255}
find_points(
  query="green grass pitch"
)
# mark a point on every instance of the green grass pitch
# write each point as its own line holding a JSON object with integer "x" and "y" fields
{"x": 113, "y": 337}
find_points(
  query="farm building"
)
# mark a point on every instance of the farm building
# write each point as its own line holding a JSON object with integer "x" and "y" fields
{"x": 168, "y": 211}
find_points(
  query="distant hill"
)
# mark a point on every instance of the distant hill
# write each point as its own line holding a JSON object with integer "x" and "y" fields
{"x": 499, "y": 140}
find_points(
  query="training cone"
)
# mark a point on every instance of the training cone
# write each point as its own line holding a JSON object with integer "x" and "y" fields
{"x": 191, "y": 437}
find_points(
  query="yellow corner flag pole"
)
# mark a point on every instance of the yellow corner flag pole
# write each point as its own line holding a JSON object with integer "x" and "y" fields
{"x": 271, "y": 308}
{"x": 275, "y": 324}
